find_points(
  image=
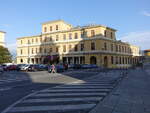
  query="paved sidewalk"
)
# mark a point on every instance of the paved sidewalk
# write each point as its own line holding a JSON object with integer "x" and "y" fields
{"x": 132, "y": 95}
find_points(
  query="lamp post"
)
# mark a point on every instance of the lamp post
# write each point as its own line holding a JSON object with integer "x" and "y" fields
{"x": 28, "y": 52}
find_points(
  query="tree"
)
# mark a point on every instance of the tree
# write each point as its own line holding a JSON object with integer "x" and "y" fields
{"x": 5, "y": 56}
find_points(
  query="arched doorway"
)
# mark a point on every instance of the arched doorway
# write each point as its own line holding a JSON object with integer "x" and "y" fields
{"x": 93, "y": 60}
{"x": 105, "y": 61}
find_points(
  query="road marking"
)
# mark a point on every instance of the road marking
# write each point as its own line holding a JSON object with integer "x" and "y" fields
{"x": 69, "y": 94}
{"x": 53, "y": 108}
{"x": 6, "y": 88}
{"x": 75, "y": 90}
{"x": 85, "y": 87}
{"x": 76, "y": 96}
{"x": 83, "y": 99}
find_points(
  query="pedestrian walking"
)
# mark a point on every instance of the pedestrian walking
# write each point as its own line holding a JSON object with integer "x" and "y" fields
{"x": 53, "y": 69}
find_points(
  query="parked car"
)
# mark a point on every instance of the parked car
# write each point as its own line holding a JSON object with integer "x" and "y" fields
{"x": 58, "y": 68}
{"x": 11, "y": 67}
{"x": 18, "y": 67}
{"x": 76, "y": 66}
{"x": 85, "y": 66}
{"x": 94, "y": 66}
{"x": 89, "y": 66}
{"x": 27, "y": 67}
{"x": 1, "y": 69}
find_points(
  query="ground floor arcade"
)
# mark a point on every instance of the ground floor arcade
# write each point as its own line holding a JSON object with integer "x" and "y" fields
{"x": 104, "y": 60}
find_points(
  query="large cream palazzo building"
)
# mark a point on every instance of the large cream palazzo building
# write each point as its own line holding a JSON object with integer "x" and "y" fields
{"x": 91, "y": 44}
{"x": 2, "y": 38}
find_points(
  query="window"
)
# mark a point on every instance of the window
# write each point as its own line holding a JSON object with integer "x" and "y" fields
{"x": 70, "y": 48}
{"x": 120, "y": 61}
{"x": 112, "y": 47}
{"x": 45, "y": 50}
{"x": 36, "y": 39}
{"x": 125, "y": 49}
{"x": 76, "y": 36}
{"x": 57, "y": 37}
{"x": 45, "y": 39}
{"x": 119, "y": 48}
{"x": 92, "y": 46}
{"x": 82, "y": 47}
{"x": 50, "y": 50}
{"x": 123, "y": 60}
{"x": 64, "y": 36}
{"x": 40, "y": 39}
{"x": 21, "y": 51}
{"x": 105, "y": 46}
{"x": 51, "y": 28}
{"x": 92, "y": 33}
{"x": 111, "y": 34}
{"x": 57, "y": 49}
{"x": 32, "y": 40}
{"x": 64, "y": 48}
{"x": 122, "y": 48}
{"x": 36, "y": 50}
{"x": 56, "y": 27}
{"x": 116, "y": 48}
{"x": 45, "y": 29}
{"x": 112, "y": 60}
{"x": 21, "y": 60}
{"x": 21, "y": 41}
{"x": 105, "y": 34}
{"x": 116, "y": 60}
{"x": 76, "y": 48}
{"x": 70, "y": 36}
{"x": 83, "y": 33}
{"x": 28, "y": 41}
{"x": 50, "y": 38}
{"x": 32, "y": 50}
{"x": 40, "y": 50}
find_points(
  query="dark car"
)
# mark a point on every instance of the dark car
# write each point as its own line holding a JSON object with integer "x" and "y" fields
{"x": 89, "y": 66}
{"x": 40, "y": 67}
{"x": 76, "y": 66}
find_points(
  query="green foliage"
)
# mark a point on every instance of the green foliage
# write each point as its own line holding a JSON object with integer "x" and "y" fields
{"x": 5, "y": 56}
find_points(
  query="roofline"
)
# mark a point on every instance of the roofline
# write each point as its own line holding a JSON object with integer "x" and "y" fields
{"x": 28, "y": 36}
{"x": 147, "y": 50}
{"x": 48, "y": 22}
{"x": 82, "y": 27}
{"x": 2, "y": 32}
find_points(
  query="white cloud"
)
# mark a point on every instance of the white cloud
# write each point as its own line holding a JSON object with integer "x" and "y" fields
{"x": 141, "y": 39}
{"x": 145, "y": 13}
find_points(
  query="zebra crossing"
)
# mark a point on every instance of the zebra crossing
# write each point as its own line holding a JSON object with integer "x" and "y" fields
{"x": 70, "y": 98}
{"x": 9, "y": 80}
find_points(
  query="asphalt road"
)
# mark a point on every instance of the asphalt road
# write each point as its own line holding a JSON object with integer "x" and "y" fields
{"x": 16, "y": 85}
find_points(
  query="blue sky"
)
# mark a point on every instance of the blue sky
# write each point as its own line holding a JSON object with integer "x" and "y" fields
{"x": 24, "y": 17}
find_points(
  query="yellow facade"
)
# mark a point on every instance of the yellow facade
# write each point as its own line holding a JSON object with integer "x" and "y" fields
{"x": 61, "y": 42}
{"x": 2, "y": 38}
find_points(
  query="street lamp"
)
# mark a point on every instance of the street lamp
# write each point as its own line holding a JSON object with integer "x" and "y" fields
{"x": 28, "y": 52}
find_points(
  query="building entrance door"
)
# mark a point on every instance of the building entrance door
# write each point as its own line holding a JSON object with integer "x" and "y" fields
{"x": 105, "y": 62}
{"x": 93, "y": 60}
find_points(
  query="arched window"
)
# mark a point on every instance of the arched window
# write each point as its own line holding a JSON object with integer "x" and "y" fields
{"x": 93, "y": 60}
{"x": 21, "y": 60}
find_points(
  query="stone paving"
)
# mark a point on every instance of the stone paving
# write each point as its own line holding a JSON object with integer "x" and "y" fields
{"x": 131, "y": 96}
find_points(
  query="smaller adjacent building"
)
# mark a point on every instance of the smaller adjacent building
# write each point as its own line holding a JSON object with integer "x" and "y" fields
{"x": 2, "y": 38}
{"x": 147, "y": 56}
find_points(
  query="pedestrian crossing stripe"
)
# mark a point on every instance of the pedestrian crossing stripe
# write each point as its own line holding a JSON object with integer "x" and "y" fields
{"x": 83, "y": 99}
{"x": 69, "y": 94}
{"x": 53, "y": 108}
